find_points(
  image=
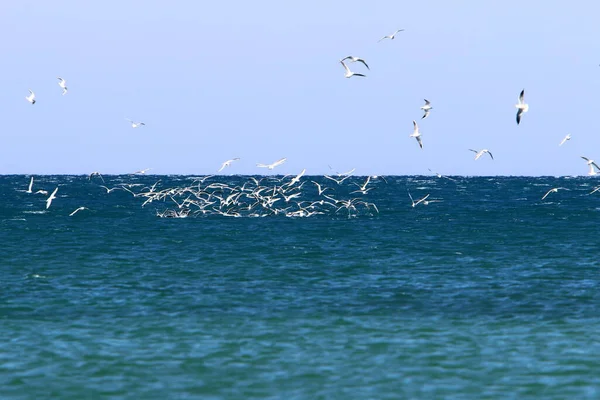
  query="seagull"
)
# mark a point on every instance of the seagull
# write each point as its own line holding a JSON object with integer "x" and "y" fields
{"x": 30, "y": 186}
{"x": 553, "y": 190}
{"x": 41, "y": 192}
{"x": 95, "y": 173}
{"x": 481, "y": 152}
{"x": 135, "y": 124}
{"x": 227, "y": 164}
{"x": 271, "y": 166}
{"x": 415, "y": 203}
{"x": 356, "y": 59}
{"x": 592, "y": 164}
{"x": 52, "y": 197}
{"x": 392, "y": 36}
{"x": 568, "y": 137}
{"x": 297, "y": 178}
{"x": 63, "y": 84}
{"x": 416, "y": 134}
{"x": 522, "y": 107}
{"x": 31, "y": 97}
{"x": 319, "y": 188}
{"x": 440, "y": 175}
{"x": 76, "y": 210}
{"x": 426, "y": 109}
{"x": 349, "y": 73}
{"x": 141, "y": 171}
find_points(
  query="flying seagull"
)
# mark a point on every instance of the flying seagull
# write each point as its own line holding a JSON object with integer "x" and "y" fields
{"x": 553, "y": 190}
{"x": 356, "y": 59}
{"x": 416, "y": 203}
{"x": 592, "y": 165}
{"x": 77, "y": 210}
{"x": 63, "y": 84}
{"x": 227, "y": 164}
{"x": 52, "y": 197}
{"x": 416, "y": 134}
{"x": 426, "y": 109}
{"x": 521, "y": 106}
{"x": 350, "y": 74}
{"x": 95, "y": 173}
{"x": 30, "y": 186}
{"x": 271, "y": 166}
{"x": 135, "y": 124}
{"x": 31, "y": 97}
{"x": 481, "y": 152}
{"x": 392, "y": 36}
{"x": 568, "y": 137}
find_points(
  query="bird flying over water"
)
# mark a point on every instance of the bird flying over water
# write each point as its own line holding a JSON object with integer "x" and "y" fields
{"x": 77, "y": 210}
{"x": 481, "y": 152}
{"x": 553, "y": 190}
{"x": 356, "y": 59}
{"x": 52, "y": 197}
{"x": 416, "y": 134}
{"x": 63, "y": 84}
{"x": 95, "y": 173}
{"x": 227, "y": 164}
{"x": 350, "y": 74}
{"x": 392, "y": 36}
{"x": 271, "y": 166}
{"x": 521, "y": 106}
{"x": 592, "y": 165}
{"x": 426, "y": 109}
{"x": 30, "y": 186}
{"x": 31, "y": 97}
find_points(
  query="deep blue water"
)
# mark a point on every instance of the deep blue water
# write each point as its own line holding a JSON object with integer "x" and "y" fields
{"x": 489, "y": 293}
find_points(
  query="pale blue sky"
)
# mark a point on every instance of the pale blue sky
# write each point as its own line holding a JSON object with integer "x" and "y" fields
{"x": 261, "y": 80}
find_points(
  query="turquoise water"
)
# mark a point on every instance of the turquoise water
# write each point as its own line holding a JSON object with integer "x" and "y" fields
{"x": 490, "y": 293}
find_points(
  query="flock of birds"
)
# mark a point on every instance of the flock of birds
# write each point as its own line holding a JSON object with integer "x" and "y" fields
{"x": 283, "y": 196}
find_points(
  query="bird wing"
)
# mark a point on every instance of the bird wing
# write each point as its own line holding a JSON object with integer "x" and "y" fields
{"x": 345, "y": 67}
{"x": 416, "y": 126}
{"x": 279, "y": 162}
{"x": 585, "y": 158}
{"x": 427, "y": 102}
{"x": 490, "y": 153}
{"x": 399, "y": 30}
{"x": 522, "y": 96}
{"x": 420, "y": 142}
{"x": 474, "y": 151}
{"x": 596, "y": 165}
{"x": 519, "y": 112}
{"x": 382, "y": 39}
{"x": 363, "y": 61}
{"x": 426, "y": 114}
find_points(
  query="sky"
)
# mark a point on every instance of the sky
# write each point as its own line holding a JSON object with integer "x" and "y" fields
{"x": 262, "y": 80}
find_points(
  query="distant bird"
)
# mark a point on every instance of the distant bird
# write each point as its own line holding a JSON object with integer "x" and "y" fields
{"x": 41, "y": 192}
{"x": 63, "y": 84}
{"x": 416, "y": 203}
{"x": 227, "y": 164}
{"x": 141, "y": 171}
{"x": 440, "y": 175}
{"x": 553, "y": 190}
{"x": 31, "y": 97}
{"x": 356, "y": 59}
{"x": 568, "y": 137}
{"x": 30, "y": 186}
{"x": 52, "y": 197}
{"x": 521, "y": 106}
{"x": 592, "y": 165}
{"x": 350, "y": 74}
{"x": 271, "y": 166}
{"x": 95, "y": 173}
{"x": 392, "y": 36}
{"x": 481, "y": 152}
{"x": 426, "y": 109}
{"x": 135, "y": 124}
{"x": 416, "y": 134}
{"x": 297, "y": 178}
{"x": 77, "y": 210}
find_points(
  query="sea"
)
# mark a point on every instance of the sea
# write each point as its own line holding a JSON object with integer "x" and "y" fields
{"x": 481, "y": 291}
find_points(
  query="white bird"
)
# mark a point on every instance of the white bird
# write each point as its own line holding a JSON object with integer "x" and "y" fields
{"x": 77, "y": 210}
{"x": 356, "y": 59}
{"x": 481, "y": 152}
{"x": 52, "y": 197}
{"x": 227, "y": 164}
{"x": 141, "y": 171}
{"x": 63, "y": 84}
{"x": 416, "y": 134}
{"x": 135, "y": 124}
{"x": 41, "y": 192}
{"x": 553, "y": 190}
{"x": 592, "y": 165}
{"x": 426, "y": 109}
{"x": 415, "y": 203}
{"x": 521, "y": 106}
{"x": 31, "y": 97}
{"x": 392, "y": 36}
{"x": 440, "y": 175}
{"x": 271, "y": 166}
{"x": 297, "y": 178}
{"x": 349, "y": 73}
{"x": 568, "y": 137}
{"x": 30, "y": 186}
{"x": 319, "y": 188}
